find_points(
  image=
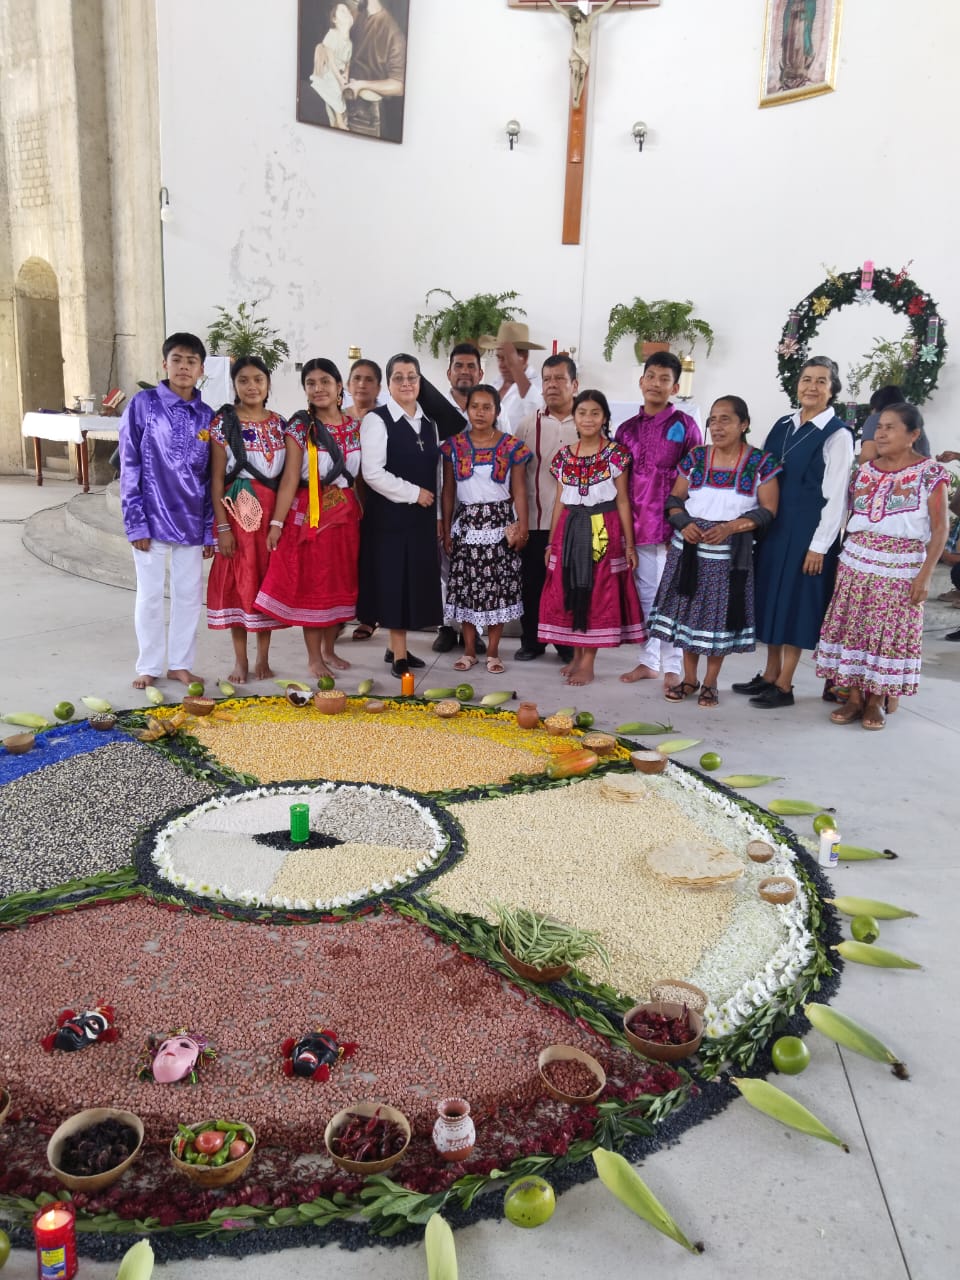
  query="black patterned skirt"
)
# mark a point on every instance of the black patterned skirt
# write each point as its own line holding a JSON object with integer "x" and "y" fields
{"x": 484, "y": 584}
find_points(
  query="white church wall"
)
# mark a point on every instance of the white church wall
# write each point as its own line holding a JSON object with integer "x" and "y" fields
{"x": 734, "y": 207}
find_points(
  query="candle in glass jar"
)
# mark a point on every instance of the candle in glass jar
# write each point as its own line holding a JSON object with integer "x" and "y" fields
{"x": 54, "y": 1229}
{"x": 933, "y": 331}
{"x": 866, "y": 275}
{"x": 827, "y": 856}
{"x": 852, "y": 408}
{"x": 793, "y": 323}
{"x": 407, "y": 684}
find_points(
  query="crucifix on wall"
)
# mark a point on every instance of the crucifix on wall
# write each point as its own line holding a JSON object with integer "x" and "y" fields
{"x": 582, "y": 16}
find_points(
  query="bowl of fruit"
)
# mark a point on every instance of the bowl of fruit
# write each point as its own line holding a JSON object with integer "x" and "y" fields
{"x": 666, "y": 1030}
{"x": 94, "y": 1147}
{"x": 368, "y": 1137}
{"x": 213, "y": 1153}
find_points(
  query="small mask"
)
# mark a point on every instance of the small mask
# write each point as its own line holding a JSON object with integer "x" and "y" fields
{"x": 78, "y": 1030}
{"x": 314, "y": 1053}
{"x": 180, "y": 1055}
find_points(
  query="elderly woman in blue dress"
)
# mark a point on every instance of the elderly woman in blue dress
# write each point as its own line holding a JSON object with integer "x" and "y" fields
{"x": 724, "y": 493}
{"x": 797, "y": 560}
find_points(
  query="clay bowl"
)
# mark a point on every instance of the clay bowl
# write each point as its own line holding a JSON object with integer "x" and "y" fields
{"x": 330, "y": 701}
{"x": 648, "y": 761}
{"x": 759, "y": 851}
{"x": 664, "y": 1052}
{"x": 601, "y": 743}
{"x": 19, "y": 744}
{"x": 374, "y": 706}
{"x": 84, "y": 1120}
{"x": 680, "y": 993}
{"x": 559, "y": 726}
{"x": 198, "y": 706}
{"x": 5, "y": 1101}
{"x": 551, "y": 974}
{"x": 447, "y": 708}
{"x": 569, "y": 1053}
{"x": 366, "y": 1109}
{"x": 102, "y": 720}
{"x": 209, "y": 1176}
{"x": 777, "y": 889}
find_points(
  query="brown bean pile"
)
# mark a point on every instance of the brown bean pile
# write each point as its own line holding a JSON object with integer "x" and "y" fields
{"x": 429, "y": 1023}
{"x": 571, "y": 1077}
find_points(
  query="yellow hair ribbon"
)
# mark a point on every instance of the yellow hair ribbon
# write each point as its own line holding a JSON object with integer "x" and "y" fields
{"x": 313, "y": 474}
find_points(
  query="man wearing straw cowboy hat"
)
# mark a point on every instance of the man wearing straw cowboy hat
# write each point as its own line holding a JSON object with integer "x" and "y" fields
{"x": 520, "y": 391}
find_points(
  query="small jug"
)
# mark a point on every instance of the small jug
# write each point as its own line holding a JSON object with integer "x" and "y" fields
{"x": 528, "y": 717}
{"x": 454, "y": 1133}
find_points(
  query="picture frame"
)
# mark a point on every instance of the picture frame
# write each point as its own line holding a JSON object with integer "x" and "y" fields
{"x": 352, "y": 66}
{"x": 801, "y": 48}
{"x": 545, "y": 4}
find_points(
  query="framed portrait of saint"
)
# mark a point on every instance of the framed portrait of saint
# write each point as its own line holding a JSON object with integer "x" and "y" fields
{"x": 801, "y": 46}
{"x": 352, "y": 66}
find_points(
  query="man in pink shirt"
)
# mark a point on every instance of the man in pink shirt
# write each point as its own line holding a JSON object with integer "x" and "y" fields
{"x": 657, "y": 438}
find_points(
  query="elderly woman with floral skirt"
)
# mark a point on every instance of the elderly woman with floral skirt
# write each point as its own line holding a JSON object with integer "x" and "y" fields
{"x": 872, "y": 636}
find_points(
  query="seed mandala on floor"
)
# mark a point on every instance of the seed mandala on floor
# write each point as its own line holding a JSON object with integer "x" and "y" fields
{"x": 183, "y": 901}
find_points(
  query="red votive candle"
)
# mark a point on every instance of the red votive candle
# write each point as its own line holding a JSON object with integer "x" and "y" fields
{"x": 54, "y": 1229}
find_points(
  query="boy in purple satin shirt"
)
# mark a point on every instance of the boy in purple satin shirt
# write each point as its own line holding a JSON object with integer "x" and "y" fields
{"x": 167, "y": 510}
{"x": 657, "y": 438}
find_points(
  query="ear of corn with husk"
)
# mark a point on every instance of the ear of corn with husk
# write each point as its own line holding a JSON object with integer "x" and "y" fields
{"x": 743, "y": 781}
{"x": 639, "y": 726}
{"x": 796, "y": 808}
{"x": 620, "y": 1177}
{"x": 96, "y": 704}
{"x": 844, "y": 1031}
{"x": 137, "y": 1262}
{"x": 878, "y": 957}
{"x": 780, "y": 1106}
{"x": 871, "y": 907}
{"x": 673, "y": 745}
{"x": 441, "y": 1251}
{"x": 857, "y": 853}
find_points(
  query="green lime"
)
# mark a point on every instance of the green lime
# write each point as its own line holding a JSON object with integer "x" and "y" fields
{"x": 529, "y": 1202}
{"x": 463, "y": 692}
{"x": 710, "y": 761}
{"x": 4, "y": 1238}
{"x": 195, "y": 690}
{"x": 583, "y": 720}
{"x": 824, "y": 822}
{"x": 326, "y": 682}
{"x": 63, "y": 711}
{"x": 790, "y": 1055}
{"x": 864, "y": 928}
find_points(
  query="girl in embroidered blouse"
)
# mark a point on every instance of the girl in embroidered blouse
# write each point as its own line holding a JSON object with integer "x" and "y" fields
{"x": 723, "y": 495}
{"x": 590, "y": 600}
{"x": 483, "y": 473}
{"x": 314, "y": 536}
{"x": 247, "y": 452}
{"x": 872, "y": 636}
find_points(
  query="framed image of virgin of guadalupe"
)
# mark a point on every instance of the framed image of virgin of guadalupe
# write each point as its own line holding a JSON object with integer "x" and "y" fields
{"x": 352, "y": 66}
{"x": 801, "y": 45}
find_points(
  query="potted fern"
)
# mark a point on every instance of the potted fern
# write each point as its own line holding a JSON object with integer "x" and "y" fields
{"x": 463, "y": 320}
{"x": 884, "y": 365}
{"x": 653, "y": 326}
{"x": 244, "y": 333}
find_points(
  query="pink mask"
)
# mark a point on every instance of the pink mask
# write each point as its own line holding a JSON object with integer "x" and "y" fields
{"x": 175, "y": 1059}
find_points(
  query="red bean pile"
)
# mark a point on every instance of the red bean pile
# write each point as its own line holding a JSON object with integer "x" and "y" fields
{"x": 571, "y": 1077}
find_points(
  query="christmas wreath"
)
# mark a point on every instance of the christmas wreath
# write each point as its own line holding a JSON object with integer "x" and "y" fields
{"x": 865, "y": 286}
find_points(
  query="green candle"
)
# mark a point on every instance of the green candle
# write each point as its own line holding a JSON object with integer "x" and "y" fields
{"x": 299, "y": 823}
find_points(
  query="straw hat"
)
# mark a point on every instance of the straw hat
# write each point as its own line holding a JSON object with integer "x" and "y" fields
{"x": 510, "y": 331}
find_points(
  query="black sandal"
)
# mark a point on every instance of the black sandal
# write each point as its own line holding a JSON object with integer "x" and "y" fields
{"x": 708, "y": 696}
{"x": 680, "y": 691}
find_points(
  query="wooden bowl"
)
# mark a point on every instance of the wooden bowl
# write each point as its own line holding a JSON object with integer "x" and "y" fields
{"x": 367, "y": 1109}
{"x": 601, "y": 743}
{"x": 84, "y": 1120}
{"x": 550, "y": 974}
{"x": 569, "y": 1053}
{"x": 664, "y": 1052}
{"x": 330, "y": 701}
{"x": 101, "y": 720}
{"x": 447, "y": 708}
{"x": 5, "y": 1101}
{"x": 559, "y": 726}
{"x": 210, "y": 1176}
{"x": 198, "y": 706}
{"x": 19, "y": 744}
{"x": 777, "y": 889}
{"x": 680, "y": 993}
{"x": 648, "y": 761}
{"x": 759, "y": 851}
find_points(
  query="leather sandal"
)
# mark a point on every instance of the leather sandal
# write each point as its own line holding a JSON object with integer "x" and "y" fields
{"x": 680, "y": 691}
{"x": 848, "y": 713}
{"x": 708, "y": 696}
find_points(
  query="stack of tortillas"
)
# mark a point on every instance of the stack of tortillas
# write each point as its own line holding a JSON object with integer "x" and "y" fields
{"x": 693, "y": 864}
{"x": 628, "y": 788}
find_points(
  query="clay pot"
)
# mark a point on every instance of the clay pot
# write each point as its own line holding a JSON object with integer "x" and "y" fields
{"x": 648, "y": 761}
{"x": 665, "y": 1052}
{"x": 644, "y": 350}
{"x": 76, "y": 1124}
{"x": 528, "y": 717}
{"x": 19, "y": 743}
{"x": 454, "y": 1134}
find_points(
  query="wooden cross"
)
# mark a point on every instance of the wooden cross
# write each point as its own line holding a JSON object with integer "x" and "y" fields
{"x": 582, "y": 16}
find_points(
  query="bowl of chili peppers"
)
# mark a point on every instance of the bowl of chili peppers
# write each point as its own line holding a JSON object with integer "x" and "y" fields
{"x": 213, "y": 1153}
{"x": 367, "y": 1137}
{"x": 664, "y": 1030}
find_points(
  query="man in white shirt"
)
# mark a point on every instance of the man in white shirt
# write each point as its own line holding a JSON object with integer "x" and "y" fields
{"x": 520, "y": 389}
{"x": 544, "y": 432}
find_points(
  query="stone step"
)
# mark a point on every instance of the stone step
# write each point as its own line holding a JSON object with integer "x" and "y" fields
{"x": 112, "y": 499}
{"x": 83, "y": 542}
{"x": 89, "y": 519}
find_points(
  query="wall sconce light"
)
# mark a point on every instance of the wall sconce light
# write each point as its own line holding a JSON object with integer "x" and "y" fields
{"x": 639, "y": 132}
{"x": 513, "y": 132}
{"x": 688, "y": 368}
{"x": 166, "y": 213}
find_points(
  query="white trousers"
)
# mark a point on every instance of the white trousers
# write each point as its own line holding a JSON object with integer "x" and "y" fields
{"x": 655, "y": 653}
{"x": 186, "y": 600}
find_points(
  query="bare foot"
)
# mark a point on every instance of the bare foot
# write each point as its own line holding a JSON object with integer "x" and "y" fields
{"x": 239, "y": 674}
{"x": 142, "y": 681}
{"x": 184, "y": 676}
{"x": 318, "y": 669}
{"x": 580, "y": 675}
{"x": 641, "y": 672}
{"x": 569, "y": 668}
{"x": 334, "y": 660}
{"x": 262, "y": 671}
